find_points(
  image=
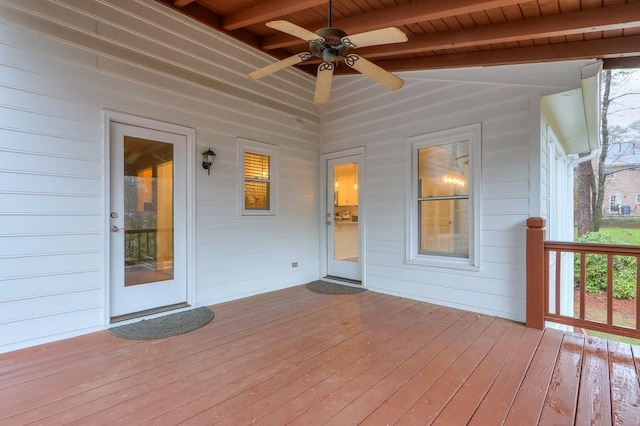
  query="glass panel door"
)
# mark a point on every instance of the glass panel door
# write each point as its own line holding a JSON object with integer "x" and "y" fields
{"x": 343, "y": 239}
{"x": 147, "y": 219}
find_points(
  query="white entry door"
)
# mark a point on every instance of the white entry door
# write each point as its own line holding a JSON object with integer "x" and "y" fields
{"x": 147, "y": 219}
{"x": 343, "y": 224}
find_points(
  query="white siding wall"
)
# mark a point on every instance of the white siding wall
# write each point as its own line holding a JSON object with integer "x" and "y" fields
{"x": 506, "y": 101}
{"x": 61, "y": 64}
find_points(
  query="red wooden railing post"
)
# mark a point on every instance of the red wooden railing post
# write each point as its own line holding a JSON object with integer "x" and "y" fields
{"x": 535, "y": 272}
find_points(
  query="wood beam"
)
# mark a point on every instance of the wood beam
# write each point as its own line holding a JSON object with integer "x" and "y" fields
{"x": 182, "y": 3}
{"x": 409, "y": 13}
{"x": 615, "y": 47}
{"x": 266, "y": 11}
{"x": 621, "y": 63}
{"x": 594, "y": 20}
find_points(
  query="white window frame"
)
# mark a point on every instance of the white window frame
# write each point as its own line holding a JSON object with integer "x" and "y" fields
{"x": 246, "y": 145}
{"x": 473, "y": 134}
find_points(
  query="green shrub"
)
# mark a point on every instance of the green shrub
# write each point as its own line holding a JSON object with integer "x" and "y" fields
{"x": 624, "y": 270}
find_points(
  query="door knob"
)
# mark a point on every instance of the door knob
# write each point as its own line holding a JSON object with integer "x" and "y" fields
{"x": 114, "y": 229}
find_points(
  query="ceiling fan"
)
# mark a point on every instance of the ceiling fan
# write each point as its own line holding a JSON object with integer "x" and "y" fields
{"x": 331, "y": 44}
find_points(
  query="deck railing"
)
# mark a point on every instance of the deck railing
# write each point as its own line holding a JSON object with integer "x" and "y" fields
{"x": 140, "y": 245}
{"x": 547, "y": 284}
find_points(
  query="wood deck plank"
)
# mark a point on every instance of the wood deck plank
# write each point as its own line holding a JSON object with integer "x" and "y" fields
{"x": 594, "y": 401}
{"x": 495, "y": 406}
{"x": 529, "y": 402}
{"x": 298, "y": 357}
{"x": 160, "y": 382}
{"x": 434, "y": 400}
{"x": 315, "y": 345}
{"x": 400, "y": 367}
{"x": 311, "y": 397}
{"x": 465, "y": 402}
{"x": 122, "y": 375}
{"x": 625, "y": 387}
{"x": 349, "y": 353}
{"x": 137, "y": 358}
{"x": 561, "y": 401}
{"x": 74, "y": 360}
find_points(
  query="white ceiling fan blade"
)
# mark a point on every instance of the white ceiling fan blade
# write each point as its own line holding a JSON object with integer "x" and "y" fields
{"x": 387, "y": 35}
{"x": 374, "y": 72}
{"x": 294, "y": 30}
{"x": 323, "y": 83}
{"x": 270, "y": 69}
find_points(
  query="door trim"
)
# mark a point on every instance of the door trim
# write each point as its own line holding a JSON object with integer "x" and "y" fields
{"x": 324, "y": 158}
{"x": 109, "y": 116}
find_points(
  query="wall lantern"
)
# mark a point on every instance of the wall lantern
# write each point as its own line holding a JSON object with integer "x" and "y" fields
{"x": 208, "y": 157}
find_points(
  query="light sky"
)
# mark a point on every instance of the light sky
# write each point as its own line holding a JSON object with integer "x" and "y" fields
{"x": 627, "y": 110}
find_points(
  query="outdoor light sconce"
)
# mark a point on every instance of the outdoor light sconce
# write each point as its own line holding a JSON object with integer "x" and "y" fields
{"x": 208, "y": 157}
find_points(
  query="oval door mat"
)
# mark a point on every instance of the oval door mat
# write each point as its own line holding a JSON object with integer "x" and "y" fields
{"x": 331, "y": 288}
{"x": 166, "y": 326}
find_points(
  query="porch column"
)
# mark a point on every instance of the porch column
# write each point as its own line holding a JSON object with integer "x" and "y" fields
{"x": 535, "y": 272}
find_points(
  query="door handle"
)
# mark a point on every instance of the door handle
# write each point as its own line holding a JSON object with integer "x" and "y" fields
{"x": 114, "y": 229}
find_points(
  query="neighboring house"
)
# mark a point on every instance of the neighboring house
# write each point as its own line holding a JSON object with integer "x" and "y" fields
{"x": 622, "y": 184}
{"x": 106, "y": 115}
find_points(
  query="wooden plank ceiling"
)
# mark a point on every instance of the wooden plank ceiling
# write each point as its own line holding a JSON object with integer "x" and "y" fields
{"x": 441, "y": 33}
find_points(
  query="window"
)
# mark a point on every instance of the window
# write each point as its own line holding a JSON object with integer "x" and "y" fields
{"x": 614, "y": 203}
{"x": 258, "y": 178}
{"x": 637, "y": 198}
{"x": 444, "y": 198}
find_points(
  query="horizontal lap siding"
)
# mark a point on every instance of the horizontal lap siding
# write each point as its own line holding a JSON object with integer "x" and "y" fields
{"x": 61, "y": 64}
{"x": 422, "y": 107}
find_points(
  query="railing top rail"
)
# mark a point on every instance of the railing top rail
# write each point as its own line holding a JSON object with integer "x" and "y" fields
{"x": 595, "y": 248}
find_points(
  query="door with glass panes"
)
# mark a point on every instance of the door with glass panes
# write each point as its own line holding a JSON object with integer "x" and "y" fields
{"x": 147, "y": 219}
{"x": 343, "y": 224}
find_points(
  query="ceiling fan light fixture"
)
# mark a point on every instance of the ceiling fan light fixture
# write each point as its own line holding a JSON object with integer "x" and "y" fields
{"x": 329, "y": 54}
{"x": 330, "y": 44}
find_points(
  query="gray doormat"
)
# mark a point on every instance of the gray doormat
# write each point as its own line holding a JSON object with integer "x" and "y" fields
{"x": 166, "y": 326}
{"x": 331, "y": 288}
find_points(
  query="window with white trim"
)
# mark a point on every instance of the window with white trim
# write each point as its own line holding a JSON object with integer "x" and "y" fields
{"x": 257, "y": 177}
{"x": 614, "y": 203}
{"x": 444, "y": 210}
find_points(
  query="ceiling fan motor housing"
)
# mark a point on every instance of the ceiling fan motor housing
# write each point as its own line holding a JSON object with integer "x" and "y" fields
{"x": 332, "y": 46}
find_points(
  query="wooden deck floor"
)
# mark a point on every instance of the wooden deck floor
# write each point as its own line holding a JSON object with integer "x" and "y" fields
{"x": 303, "y": 358}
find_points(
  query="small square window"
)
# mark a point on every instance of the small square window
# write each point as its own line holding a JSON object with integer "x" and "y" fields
{"x": 257, "y": 177}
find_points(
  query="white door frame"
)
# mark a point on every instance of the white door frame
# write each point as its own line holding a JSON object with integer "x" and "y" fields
{"x": 110, "y": 116}
{"x": 324, "y": 158}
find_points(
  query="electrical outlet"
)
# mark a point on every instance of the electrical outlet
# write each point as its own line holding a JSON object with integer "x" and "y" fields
{"x": 294, "y": 264}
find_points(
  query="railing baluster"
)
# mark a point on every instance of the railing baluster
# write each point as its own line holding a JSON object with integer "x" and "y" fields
{"x": 583, "y": 284}
{"x": 547, "y": 255}
{"x": 610, "y": 288}
{"x": 558, "y": 278}
{"x": 638, "y": 292}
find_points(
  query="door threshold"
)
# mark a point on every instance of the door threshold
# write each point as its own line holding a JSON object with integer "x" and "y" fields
{"x": 345, "y": 281}
{"x": 148, "y": 312}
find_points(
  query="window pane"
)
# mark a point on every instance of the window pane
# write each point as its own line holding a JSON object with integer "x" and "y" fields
{"x": 444, "y": 227}
{"x": 443, "y": 170}
{"x": 256, "y": 195}
{"x": 256, "y": 166}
